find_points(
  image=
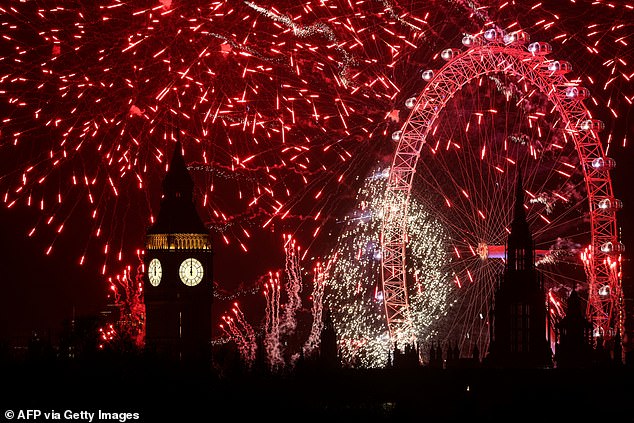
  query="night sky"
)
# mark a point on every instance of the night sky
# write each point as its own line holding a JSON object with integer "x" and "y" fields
{"x": 41, "y": 291}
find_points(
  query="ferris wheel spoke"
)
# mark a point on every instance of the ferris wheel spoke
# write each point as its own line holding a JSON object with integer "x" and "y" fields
{"x": 480, "y": 129}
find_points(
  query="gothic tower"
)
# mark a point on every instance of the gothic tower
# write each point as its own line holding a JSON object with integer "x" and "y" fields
{"x": 178, "y": 285}
{"x": 519, "y": 336}
{"x": 574, "y": 336}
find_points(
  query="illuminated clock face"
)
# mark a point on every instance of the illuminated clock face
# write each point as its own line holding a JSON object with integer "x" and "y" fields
{"x": 155, "y": 272}
{"x": 191, "y": 272}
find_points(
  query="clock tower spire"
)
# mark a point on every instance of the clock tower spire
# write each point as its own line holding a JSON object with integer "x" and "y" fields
{"x": 178, "y": 285}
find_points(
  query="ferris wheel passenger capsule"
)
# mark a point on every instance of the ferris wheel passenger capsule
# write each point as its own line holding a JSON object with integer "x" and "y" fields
{"x": 427, "y": 75}
{"x": 490, "y": 34}
{"x": 612, "y": 247}
{"x": 559, "y": 67}
{"x": 578, "y": 93}
{"x": 592, "y": 125}
{"x": 449, "y": 53}
{"x": 410, "y": 102}
{"x": 540, "y": 48}
{"x": 610, "y": 204}
{"x": 468, "y": 40}
{"x": 494, "y": 34}
{"x": 603, "y": 163}
{"x": 396, "y": 135}
{"x": 517, "y": 38}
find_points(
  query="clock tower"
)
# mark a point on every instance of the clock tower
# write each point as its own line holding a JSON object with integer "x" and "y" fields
{"x": 178, "y": 284}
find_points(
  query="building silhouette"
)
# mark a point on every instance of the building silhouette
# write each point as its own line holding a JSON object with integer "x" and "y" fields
{"x": 435, "y": 357}
{"x": 328, "y": 355}
{"x": 518, "y": 325}
{"x": 178, "y": 284}
{"x": 574, "y": 346}
{"x": 406, "y": 358}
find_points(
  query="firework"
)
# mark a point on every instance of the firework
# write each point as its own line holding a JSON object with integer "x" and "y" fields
{"x": 126, "y": 294}
{"x": 355, "y": 294}
{"x": 275, "y": 103}
{"x": 269, "y": 102}
{"x": 321, "y": 274}
{"x": 272, "y": 343}
{"x": 240, "y": 331}
{"x": 293, "y": 285}
{"x": 280, "y": 106}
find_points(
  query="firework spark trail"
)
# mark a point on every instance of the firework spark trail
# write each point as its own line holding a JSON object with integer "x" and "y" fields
{"x": 389, "y": 8}
{"x": 92, "y": 89}
{"x": 231, "y": 334}
{"x": 293, "y": 286}
{"x": 474, "y": 8}
{"x": 321, "y": 274}
{"x": 236, "y": 335}
{"x": 228, "y": 335}
{"x": 127, "y": 291}
{"x": 107, "y": 335}
{"x": 308, "y": 31}
{"x": 241, "y": 332}
{"x": 122, "y": 77}
{"x": 91, "y": 93}
{"x": 249, "y": 335}
{"x": 272, "y": 327}
{"x": 298, "y": 30}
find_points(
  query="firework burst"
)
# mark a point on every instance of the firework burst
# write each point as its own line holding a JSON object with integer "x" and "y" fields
{"x": 280, "y": 106}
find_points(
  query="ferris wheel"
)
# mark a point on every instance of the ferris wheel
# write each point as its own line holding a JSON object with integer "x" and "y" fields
{"x": 498, "y": 108}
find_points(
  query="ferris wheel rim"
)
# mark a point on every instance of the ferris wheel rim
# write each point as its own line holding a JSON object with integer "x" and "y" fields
{"x": 461, "y": 68}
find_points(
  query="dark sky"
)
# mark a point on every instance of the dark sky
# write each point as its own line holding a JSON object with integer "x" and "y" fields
{"x": 40, "y": 292}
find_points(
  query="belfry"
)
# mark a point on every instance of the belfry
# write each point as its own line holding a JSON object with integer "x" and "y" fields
{"x": 178, "y": 285}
